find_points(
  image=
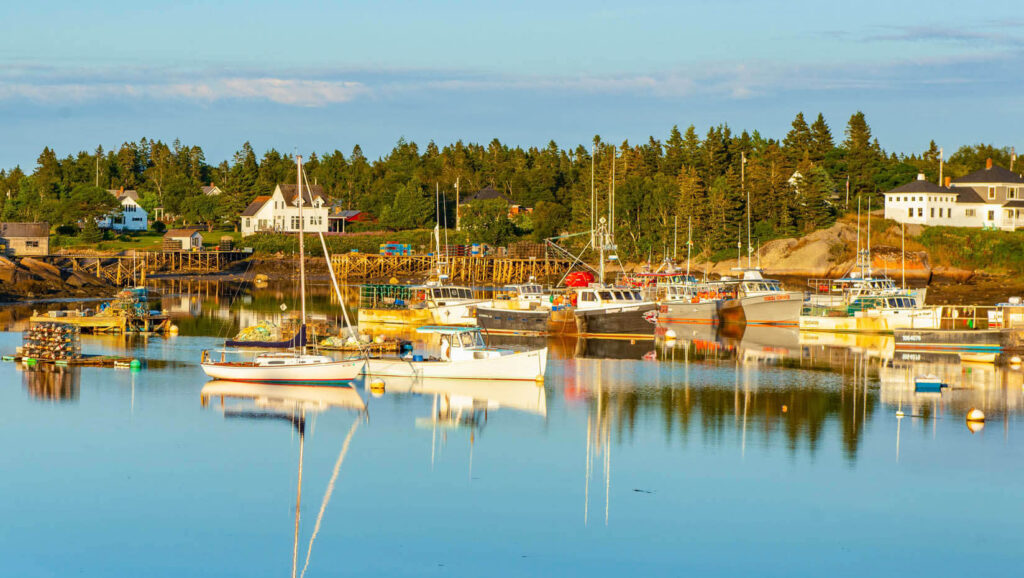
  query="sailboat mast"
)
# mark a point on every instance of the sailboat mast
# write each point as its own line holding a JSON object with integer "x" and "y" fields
{"x": 743, "y": 189}
{"x": 302, "y": 248}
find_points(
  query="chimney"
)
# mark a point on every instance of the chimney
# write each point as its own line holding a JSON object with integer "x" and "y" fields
{"x": 948, "y": 179}
{"x": 920, "y": 176}
{"x": 988, "y": 163}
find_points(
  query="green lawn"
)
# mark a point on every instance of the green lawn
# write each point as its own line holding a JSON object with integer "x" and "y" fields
{"x": 148, "y": 241}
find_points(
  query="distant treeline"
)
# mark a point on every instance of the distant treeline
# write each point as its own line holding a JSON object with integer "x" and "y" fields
{"x": 795, "y": 185}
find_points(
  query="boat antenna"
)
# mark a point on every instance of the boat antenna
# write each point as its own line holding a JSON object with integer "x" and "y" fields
{"x": 903, "y": 253}
{"x": 675, "y": 238}
{"x": 302, "y": 250}
{"x": 859, "y": 264}
{"x": 868, "y": 242}
{"x": 689, "y": 242}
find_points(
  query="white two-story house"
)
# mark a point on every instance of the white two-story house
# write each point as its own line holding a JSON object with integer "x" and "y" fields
{"x": 987, "y": 198}
{"x": 131, "y": 216}
{"x": 279, "y": 212}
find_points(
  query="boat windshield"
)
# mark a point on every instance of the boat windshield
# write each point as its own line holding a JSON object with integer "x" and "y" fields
{"x": 471, "y": 339}
{"x": 605, "y": 295}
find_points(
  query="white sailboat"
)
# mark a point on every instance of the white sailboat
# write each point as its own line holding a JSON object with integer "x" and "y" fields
{"x": 295, "y": 367}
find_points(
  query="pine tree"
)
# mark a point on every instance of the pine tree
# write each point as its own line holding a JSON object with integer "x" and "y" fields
{"x": 821, "y": 140}
{"x": 798, "y": 140}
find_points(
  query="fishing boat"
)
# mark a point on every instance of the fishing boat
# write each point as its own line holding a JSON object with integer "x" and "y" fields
{"x": 522, "y": 309}
{"x": 462, "y": 355}
{"x": 291, "y": 367}
{"x": 760, "y": 301}
{"x": 613, "y": 311}
{"x": 872, "y": 314}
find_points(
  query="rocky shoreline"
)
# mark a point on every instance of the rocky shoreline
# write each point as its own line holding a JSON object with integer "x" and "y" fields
{"x": 26, "y": 278}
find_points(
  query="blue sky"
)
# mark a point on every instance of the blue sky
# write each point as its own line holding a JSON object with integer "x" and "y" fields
{"x": 320, "y": 76}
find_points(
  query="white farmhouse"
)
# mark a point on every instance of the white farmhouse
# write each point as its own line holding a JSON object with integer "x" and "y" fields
{"x": 987, "y": 198}
{"x": 131, "y": 217}
{"x": 279, "y": 212}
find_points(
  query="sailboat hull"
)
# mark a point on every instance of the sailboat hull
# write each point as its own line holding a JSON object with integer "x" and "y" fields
{"x": 333, "y": 373}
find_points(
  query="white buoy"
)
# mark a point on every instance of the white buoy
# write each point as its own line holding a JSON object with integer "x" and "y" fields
{"x": 1015, "y": 360}
{"x": 670, "y": 334}
{"x": 976, "y": 415}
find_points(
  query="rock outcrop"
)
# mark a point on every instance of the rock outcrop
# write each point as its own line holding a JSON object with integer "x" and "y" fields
{"x": 28, "y": 278}
{"x": 831, "y": 253}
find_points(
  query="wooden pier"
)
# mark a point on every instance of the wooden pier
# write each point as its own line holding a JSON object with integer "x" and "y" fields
{"x": 130, "y": 268}
{"x": 464, "y": 270}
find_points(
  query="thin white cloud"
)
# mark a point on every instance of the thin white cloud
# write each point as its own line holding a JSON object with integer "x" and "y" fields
{"x": 296, "y": 92}
{"x": 323, "y": 87}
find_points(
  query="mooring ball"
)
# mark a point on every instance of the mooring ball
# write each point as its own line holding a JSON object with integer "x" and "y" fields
{"x": 670, "y": 334}
{"x": 173, "y": 329}
{"x": 1015, "y": 360}
{"x": 975, "y": 415}
{"x": 135, "y": 364}
{"x": 377, "y": 388}
{"x": 379, "y": 339}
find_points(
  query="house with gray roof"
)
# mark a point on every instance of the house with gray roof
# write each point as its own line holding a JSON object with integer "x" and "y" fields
{"x": 131, "y": 216}
{"x": 279, "y": 212}
{"x": 25, "y": 239}
{"x": 987, "y": 198}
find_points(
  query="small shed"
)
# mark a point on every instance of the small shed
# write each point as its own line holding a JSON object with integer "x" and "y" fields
{"x": 190, "y": 239}
{"x": 20, "y": 239}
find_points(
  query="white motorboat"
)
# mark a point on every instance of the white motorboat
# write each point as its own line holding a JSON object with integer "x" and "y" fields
{"x": 292, "y": 367}
{"x": 463, "y": 355}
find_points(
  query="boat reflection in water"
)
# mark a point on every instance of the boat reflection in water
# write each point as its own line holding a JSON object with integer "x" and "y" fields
{"x": 51, "y": 382}
{"x": 290, "y": 403}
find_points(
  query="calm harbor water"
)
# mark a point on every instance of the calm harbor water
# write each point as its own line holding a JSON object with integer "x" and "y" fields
{"x": 764, "y": 453}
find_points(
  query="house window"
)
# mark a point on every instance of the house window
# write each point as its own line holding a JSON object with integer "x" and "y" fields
{"x": 920, "y": 211}
{"x": 1011, "y": 193}
{"x": 32, "y": 244}
{"x": 296, "y": 223}
{"x": 262, "y": 224}
{"x": 248, "y": 222}
{"x": 931, "y": 213}
{"x": 991, "y": 193}
{"x": 970, "y": 213}
{"x": 910, "y": 212}
{"x": 991, "y": 215}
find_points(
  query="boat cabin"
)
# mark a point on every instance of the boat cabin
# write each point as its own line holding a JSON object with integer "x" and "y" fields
{"x": 461, "y": 343}
{"x": 597, "y": 297}
{"x": 444, "y": 295}
{"x": 877, "y": 302}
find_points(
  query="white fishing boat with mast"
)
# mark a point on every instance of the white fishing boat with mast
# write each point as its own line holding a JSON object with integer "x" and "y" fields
{"x": 758, "y": 301}
{"x": 296, "y": 367}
